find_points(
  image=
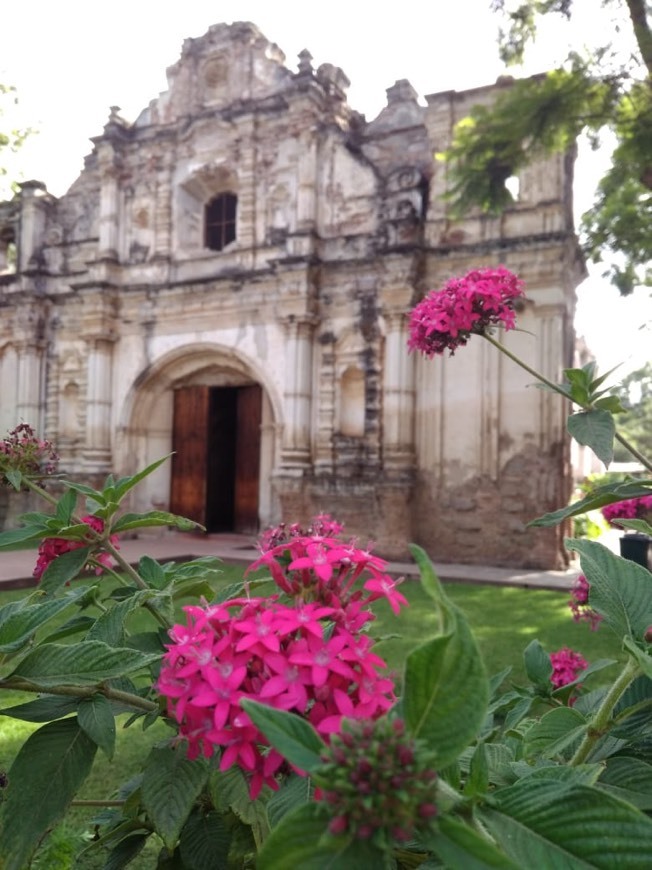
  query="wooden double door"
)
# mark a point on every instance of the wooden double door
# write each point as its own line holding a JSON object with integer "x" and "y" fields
{"x": 216, "y": 462}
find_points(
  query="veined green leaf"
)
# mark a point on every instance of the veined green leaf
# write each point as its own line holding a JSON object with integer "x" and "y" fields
{"x": 538, "y": 666}
{"x": 620, "y": 589}
{"x": 556, "y": 730}
{"x": 595, "y": 429}
{"x": 125, "y": 484}
{"x": 463, "y": 848}
{"x": 551, "y": 824}
{"x": 17, "y": 630}
{"x": 64, "y": 568}
{"x": 96, "y": 719}
{"x": 601, "y": 496}
{"x": 171, "y": 785}
{"x": 45, "y": 708}
{"x": 10, "y": 538}
{"x": 83, "y": 664}
{"x": 154, "y": 518}
{"x": 50, "y": 767}
{"x": 300, "y": 841}
{"x": 205, "y": 841}
{"x": 292, "y": 736}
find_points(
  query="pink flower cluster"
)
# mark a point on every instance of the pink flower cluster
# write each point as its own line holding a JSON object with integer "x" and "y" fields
{"x": 50, "y": 548}
{"x": 579, "y": 604}
{"x": 566, "y": 665}
{"x": 446, "y": 318}
{"x": 22, "y": 451}
{"x": 308, "y": 655}
{"x": 629, "y": 509}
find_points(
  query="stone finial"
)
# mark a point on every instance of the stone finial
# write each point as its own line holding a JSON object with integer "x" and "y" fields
{"x": 401, "y": 92}
{"x": 334, "y": 79}
{"x": 305, "y": 63}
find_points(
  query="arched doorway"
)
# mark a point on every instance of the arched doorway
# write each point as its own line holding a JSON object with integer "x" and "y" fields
{"x": 219, "y": 414}
{"x": 216, "y": 439}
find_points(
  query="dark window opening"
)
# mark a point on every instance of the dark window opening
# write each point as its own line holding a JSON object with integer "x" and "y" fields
{"x": 219, "y": 221}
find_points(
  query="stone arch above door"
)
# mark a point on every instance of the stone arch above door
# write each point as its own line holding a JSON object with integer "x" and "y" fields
{"x": 146, "y": 431}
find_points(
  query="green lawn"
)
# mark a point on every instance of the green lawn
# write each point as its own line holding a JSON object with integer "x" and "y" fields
{"x": 504, "y": 620}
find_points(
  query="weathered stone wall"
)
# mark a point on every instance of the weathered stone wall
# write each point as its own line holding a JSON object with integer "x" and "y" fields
{"x": 116, "y": 303}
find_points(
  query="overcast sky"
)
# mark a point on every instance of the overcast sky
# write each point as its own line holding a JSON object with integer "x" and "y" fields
{"x": 70, "y": 60}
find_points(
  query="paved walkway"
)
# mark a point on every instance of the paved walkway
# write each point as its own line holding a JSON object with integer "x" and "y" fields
{"x": 16, "y": 566}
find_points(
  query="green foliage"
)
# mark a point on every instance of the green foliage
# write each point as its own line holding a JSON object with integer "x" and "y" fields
{"x": 545, "y": 114}
{"x": 635, "y": 423}
{"x": 511, "y": 775}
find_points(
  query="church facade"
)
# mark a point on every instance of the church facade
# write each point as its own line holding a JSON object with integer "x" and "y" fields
{"x": 229, "y": 278}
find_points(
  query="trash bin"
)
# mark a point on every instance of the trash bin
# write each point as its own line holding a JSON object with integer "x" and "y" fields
{"x": 635, "y": 547}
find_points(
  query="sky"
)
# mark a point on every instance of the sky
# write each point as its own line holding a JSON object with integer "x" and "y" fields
{"x": 71, "y": 60}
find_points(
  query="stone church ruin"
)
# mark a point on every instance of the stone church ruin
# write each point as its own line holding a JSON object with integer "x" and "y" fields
{"x": 229, "y": 279}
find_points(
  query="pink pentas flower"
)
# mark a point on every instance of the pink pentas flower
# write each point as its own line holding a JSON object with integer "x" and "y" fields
{"x": 446, "y": 318}
{"x": 579, "y": 604}
{"x": 278, "y": 654}
{"x": 566, "y": 665}
{"x": 321, "y": 567}
{"x": 629, "y": 509}
{"x": 50, "y": 548}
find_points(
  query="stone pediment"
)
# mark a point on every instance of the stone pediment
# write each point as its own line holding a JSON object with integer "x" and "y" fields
{"x": 230, "y": 64}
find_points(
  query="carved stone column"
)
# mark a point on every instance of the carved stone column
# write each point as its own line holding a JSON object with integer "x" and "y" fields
{"x": 29, "y": 346}
{"x": 298, "y": 391}
{"x": 109, "y": 201}
{"x": 99, "y": 334}
{"x": 399, "y": 395}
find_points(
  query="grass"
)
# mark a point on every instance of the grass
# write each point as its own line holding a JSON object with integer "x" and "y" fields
{"x": 504, "y": 621}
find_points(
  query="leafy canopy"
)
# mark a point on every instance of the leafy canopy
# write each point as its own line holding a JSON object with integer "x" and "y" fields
{"x": 593, "y": 92}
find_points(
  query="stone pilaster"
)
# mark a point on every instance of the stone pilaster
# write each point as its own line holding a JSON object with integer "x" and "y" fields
{"x": 99, "y": 333}
{"x": 399, "y": 395}
{"x": 296, "y": 451}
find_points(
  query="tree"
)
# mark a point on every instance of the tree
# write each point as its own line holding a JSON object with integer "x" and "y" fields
{"x": 590, "y": 93}
{"x": 635, "y": 423}
{"x": 12, "y": 139}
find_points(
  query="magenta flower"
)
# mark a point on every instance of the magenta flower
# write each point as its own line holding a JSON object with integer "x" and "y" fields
{"x": 629, "y": 509}
{"x": 50, "y": 548}
{"x": 276, "y": 654}
{"x": 579, "y": 604}
{"x": 446, "y": 318}
{"x": 566, "y": 665}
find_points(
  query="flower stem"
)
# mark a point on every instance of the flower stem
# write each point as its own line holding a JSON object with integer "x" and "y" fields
{"x": 96, "y": 803}
{"x": 600, "y": 722}
{"x": 557, "y": 389}
{"x": 137, "y": 579}
{"x": 82, "y": 692}
{"x": 40, "y": 491}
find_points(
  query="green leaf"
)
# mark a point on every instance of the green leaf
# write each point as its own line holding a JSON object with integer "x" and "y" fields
{"x": 612, "y": 404}
{"x": 110, "y": 626}
{"x": 556, "y": 730}
{"x": 74, "y": 625}
{"x": 462, "y": 848}
{"x": 629, "y": 779}
{"x": 190, "y": 587}
{"x": 427, "y": 574}
{"x": 84, "y": 490}
{"x": 478, "y": 780}
{"x": 66, "y": 507}
{"x": 49, "y": 769}
{"x": 45, "y": 708}
{"x": 551, "y": 824}
{"x": 620, "y": 589}
{"x": 125, "y": 484}
{"x": 446, "y": 689}
{"x": 299, "y": 842}
{"x": 643, "y": 658}
{"x": 12, "y": 537}
{"x": 292, "y": 736}
{"x": 18, "y": 629}
{"x": 96, "y": 719}
{"x": 595, "y": 429}
{"x": 154, "y": 518}
{"x": 64, "y": 568}
{"x": 229, "y": 790}
{"x": 83, "y": 664}
{"x": 125, "y": 852}
{"x": 601, "y": 496}
{"x": 205, "y": 842}
{"x": 171, "y": 785}
{"x": 293, "y": 793}
{"x": 538, "y": 666}
{"x": 15, "y": 478}
{"x": 637, "y": 526}
{"x": 152, "y": 572}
